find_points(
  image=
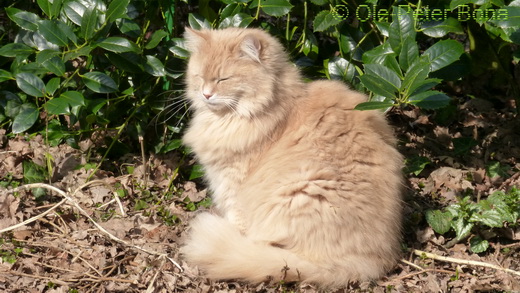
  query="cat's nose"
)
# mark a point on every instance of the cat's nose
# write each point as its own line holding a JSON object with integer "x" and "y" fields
{"x": 207, "y": 95}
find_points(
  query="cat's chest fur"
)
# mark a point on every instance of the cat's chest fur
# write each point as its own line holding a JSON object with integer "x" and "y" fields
{"x": 228, "y": 156}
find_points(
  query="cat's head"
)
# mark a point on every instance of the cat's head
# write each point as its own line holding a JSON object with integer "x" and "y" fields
{"x": 233, "y": 70}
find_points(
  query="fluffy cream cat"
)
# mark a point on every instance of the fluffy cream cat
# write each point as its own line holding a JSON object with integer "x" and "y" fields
{"x": 305, "y": 188}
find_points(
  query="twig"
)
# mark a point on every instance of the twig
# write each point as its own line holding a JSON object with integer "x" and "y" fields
{"x": 412, "y": 264}
{"x": 145, "y": 162}
{"x": 422, "y": 271}
{"x": 151, "y": 288}
{"x": 99, "y": 227}
{"x": 30, "y": 220}
{"x": 75, "y": 257}
{"x": 116, "y": 197}
{"x": 463, "y": 261}
{"x": 56, "y": 281}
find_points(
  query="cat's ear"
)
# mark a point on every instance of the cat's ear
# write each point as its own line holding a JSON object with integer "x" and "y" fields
{"x": 194, "y": 39}
{"x": 251, "y": 47}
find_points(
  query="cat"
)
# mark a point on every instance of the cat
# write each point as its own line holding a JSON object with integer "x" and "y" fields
{"x": 305, "y": 188}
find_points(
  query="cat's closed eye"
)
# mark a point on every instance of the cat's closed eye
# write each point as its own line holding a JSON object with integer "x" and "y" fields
{"x": 223, "y": 79}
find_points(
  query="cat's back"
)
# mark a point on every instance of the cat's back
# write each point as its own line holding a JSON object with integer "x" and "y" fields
{"x": 328, "y": 110}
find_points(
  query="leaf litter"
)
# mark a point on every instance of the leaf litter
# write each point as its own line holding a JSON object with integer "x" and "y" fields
{"x": 146, "y": 212}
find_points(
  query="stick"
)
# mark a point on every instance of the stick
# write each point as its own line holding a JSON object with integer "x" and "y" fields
{"x": 463, "y": 261}
{"x": 30, "y": 220}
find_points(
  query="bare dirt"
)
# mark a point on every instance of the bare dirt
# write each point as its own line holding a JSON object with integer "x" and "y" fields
{"x": 121, "y": 231}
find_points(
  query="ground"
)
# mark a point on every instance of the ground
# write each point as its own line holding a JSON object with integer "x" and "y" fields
{"x": 121, "y": 231}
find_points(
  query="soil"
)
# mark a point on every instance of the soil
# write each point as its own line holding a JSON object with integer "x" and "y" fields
{"x": 121, "y": 231}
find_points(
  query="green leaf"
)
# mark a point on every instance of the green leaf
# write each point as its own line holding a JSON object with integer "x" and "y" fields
{"x": 238, "y": 20}
{"x": 456, "y": 3}
{"x": 25, "y": 118}
{"x": 378, "y": 54}
{"x": 402, "y": 28}
{"x": 30, "y": 84}
{"x": 74, "y": 10}
{"x": 5, "y": 75}
{"x": 273, "y": 7}
{"x": 24, "y": 19}
{"x": 383, "y": 55}
{"x": 491, "y": 218}
{"x": 154, "y": 66}
{"x": 339, "y": 68}
{"x": 381, "y": 80}
{"x": 507, "y": 212}
{"x": 16, "y": 50}
{"x": 276, "y": 8}
{"x": 478, "y": 245}
{"x": 438, "y": 29}
{"x": 68, "y": 31}
{"x": 170, "y": 146}
{"x": 89, "y": 22}
{"x": 385, "y": 73}
{"x": 198, "y": 22}
{"x": 310, "y": 45}
{"x": 462, "y": 145}
{"x": 52, "y": 32}
{"x": 373, "y": 105}
{"x": 378, "y": 86}
{"x": 507, "y": 17}
{"x": 324, "y": 20}
{"x": 118, "y": 45}
{"x": 45, "y": 6}
{"x": 416, "y": 164}
{"x": 99, "y": 82}
{"x": 129, "y": 27}
{"x": 461, "y": 227}
{"x": 73, "y": 98}
{"x": 33, "y": 173}
{"x": 52, "y": 85}
{"x": 179, "y": 48}
{"x": 11, "y": 103}
{"x": 196, "y": 172}
{"x": 156, "y": 38}
{"x": 430, "y": 100}
{"x": 56, "y": 106}
{"x": 495, "y": 169}
{"x": 116, "y": 9}
{"x": 130, "y": 62}
{"x": 415, "y": 75}
{"x": 49, "y": 60}
{"x": 55, "y": 133}
{"x": 439, "y": 221}
{"x": 50, "y": 7}
{"x": 443, "y": 53}
{"x": 45, "y": 55}
{"x": 55, "y": 65}
{"x": 409, "y": 54}
{"x": 230, "y": 10}
{"x": 420, "y": 86}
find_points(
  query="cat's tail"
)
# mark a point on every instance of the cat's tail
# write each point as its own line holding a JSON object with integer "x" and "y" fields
{"x": 223, "y": 253}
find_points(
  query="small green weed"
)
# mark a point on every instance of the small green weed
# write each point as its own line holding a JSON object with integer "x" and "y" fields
{"x": 468, "y": 218}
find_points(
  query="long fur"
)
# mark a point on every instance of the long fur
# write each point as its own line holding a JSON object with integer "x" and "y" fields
{"x": 305, "y": 187}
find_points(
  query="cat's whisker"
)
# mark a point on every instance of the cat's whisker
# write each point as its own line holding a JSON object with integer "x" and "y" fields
{"x": 171, "y": 110}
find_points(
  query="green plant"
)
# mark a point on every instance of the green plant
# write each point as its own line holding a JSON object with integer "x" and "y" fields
{"x": 72, "y": 68}
{"x": 466, "y": 217}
